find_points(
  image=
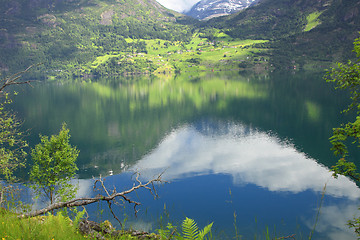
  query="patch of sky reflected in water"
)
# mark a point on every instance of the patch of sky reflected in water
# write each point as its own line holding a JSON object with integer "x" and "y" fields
{"x": 218, "y": 169}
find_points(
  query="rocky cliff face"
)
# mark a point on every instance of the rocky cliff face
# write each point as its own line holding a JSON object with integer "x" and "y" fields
{"x": 206, "y": 9}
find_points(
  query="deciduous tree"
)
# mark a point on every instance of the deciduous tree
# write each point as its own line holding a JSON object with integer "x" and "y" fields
{"x": 54, "y": 166}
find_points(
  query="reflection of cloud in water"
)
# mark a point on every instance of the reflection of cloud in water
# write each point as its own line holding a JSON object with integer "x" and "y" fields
{"x": 85, "y": 187}
{"x": 248, "y": 155}
{"x": 333, "y": 221}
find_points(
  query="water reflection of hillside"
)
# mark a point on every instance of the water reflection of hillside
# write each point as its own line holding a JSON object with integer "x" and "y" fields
{"x": 115, "y": 122}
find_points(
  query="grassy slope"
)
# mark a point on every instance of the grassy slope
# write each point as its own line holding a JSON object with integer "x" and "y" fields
{"x": 312, "y": 21}
{"x": 105, "y": 37}
{"x": 71, "y": 37}
{"x": 302, "y": 32}
{"x": 198, "y": 54}
{"x": 102, "y": 37}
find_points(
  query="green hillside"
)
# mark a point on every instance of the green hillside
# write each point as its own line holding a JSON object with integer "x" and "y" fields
{"x": 270, "y": 19}
{"x": 78, "y": 38}
{"x": 65, "y": 35}
{"x": 301, "y": 32}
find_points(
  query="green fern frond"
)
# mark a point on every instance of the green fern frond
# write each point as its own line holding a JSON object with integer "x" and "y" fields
{"x": 205, "y": 231}
{"x": 190, "y": 229}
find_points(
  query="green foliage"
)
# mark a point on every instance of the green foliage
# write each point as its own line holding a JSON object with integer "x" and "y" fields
{"x": 194, "y": 60}
{"x": 355, "y": 223}
{"x": 347, "y": 76}
{"x": 46, "y": 228}
{"x": 190, "y": 231}
{"x": 66, "y": 37}
{"x": 54, "y": 166}
{"x": 69, "y": 35}
{"x": 12, "y": 152}
{"x": 50, "y": 227}
{"x": 106, "y": 38}
{"x": 12, "y": 145}
{"x": 312, "y": 21}
{"x": 283, "y": 22}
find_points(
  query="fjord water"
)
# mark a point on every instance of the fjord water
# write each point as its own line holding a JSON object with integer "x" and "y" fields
{"x": 242, "y": 149}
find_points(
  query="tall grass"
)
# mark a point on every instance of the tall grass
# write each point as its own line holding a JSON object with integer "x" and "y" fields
{"x": 49, "y": 227}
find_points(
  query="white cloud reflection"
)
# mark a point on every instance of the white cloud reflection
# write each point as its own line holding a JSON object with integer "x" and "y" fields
{"x": 249, "y": 156}
{"x": 333, "y": 221}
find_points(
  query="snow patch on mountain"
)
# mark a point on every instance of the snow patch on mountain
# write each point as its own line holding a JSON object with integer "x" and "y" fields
{"x": 206, "y": 9}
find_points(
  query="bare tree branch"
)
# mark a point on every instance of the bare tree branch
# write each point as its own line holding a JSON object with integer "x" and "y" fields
{"x": 108, "y": 197}
{"x": 13, "y": 79}
{"x": 114, "y": 215}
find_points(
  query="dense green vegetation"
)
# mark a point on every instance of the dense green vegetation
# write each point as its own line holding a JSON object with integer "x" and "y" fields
{"x": 312, "y": 21}
{"x": 53, "y": 228}
{"x": 57, "y": 226}
{"x": 347, "y": 77}
{"x": 70, "y": 36}
{"x": 54, "y": 166}
{"x": 107, "y": 37}
{"x": 303, "y": 33}
{"x": 62, "y": 227}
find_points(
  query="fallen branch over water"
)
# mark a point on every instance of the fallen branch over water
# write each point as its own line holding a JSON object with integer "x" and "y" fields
{"x": 108, "y": 197}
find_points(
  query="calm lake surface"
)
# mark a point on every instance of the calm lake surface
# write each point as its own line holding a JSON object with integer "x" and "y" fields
{"x": 254, "y": 146}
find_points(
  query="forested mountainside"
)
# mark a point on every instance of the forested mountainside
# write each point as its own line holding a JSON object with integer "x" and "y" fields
{"x": 76, "y": 31}
{"x": 300, "y": 30}
{"x": 97, "y": 37}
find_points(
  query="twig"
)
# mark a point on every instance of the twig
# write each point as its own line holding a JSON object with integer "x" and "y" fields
{"x": 12, "y": 80}
{"x": 288, "y": 237}
{"x": 114, "y": 215}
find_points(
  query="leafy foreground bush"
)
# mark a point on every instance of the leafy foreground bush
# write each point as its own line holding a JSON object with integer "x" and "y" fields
{"x": 62, "y": 227}
{"x": 47, "y": 227}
